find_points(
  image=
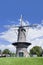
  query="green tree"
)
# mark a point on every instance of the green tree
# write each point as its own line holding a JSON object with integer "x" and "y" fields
{"x": 13, "y": 54}
{"x": 36, "y": 50}
{"x": 6, "y": 51}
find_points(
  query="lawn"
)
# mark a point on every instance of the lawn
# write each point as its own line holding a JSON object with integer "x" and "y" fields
{"x": 21, "y": 61}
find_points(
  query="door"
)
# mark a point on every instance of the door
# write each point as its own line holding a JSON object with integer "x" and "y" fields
{"x": 21, "y": 54}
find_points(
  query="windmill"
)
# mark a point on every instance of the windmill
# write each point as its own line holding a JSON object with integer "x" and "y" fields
{"x": 21, "y": 44}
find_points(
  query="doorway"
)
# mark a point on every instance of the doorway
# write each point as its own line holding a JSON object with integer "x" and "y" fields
{"x": 21, "y": 54}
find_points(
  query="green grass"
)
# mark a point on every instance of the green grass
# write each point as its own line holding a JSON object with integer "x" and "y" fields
{"x": 21, "y": 61}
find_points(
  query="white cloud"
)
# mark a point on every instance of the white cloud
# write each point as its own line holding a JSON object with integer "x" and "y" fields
{"x": 10, "y": 35}
{"x": 10, "y": 47}
{"x": 35, "y": 33}
{"x": 32, "y": 35}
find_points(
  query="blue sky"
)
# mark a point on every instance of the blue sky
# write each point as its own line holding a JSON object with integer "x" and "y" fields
{"x": 31, "y": 10}
{"x": 11, "y": 10}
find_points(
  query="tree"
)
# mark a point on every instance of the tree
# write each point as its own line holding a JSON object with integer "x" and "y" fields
{"x": 6, "y": 51}
{"x": 36, "y": 50}
{"x": 13, "y": 54}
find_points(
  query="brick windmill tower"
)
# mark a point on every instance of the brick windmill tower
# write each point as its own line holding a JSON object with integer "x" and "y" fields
{"x": 21, "y": 44}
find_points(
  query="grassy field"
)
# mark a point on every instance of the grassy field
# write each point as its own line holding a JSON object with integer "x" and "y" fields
{"x": 21, "y": 61}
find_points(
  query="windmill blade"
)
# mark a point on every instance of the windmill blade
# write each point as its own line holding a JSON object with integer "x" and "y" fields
{"x": 34, "y": 25}
{"x": 15, "y": 27}
{"x": 30, "y": 25}
{"x": 11, "y": 26}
